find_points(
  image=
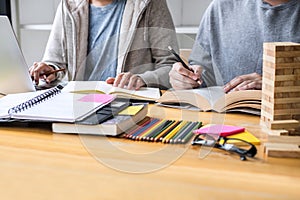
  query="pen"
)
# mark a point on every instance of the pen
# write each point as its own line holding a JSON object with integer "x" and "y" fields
{"x": 178, "y": 58}
{"x": 52, "y": 72}
{"x": 182, "y": 62}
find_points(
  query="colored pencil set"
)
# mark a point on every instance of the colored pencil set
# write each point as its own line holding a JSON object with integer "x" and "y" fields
{"x": 162, "y": 130}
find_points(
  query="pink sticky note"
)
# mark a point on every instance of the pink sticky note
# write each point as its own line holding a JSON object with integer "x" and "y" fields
{"x": 221, "y": 130}
{"x": 97, "y": 98}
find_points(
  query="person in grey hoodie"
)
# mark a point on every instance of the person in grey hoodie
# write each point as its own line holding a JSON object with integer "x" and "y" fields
{"x": 121, "y": 41}
{"x": 229, "y": 45}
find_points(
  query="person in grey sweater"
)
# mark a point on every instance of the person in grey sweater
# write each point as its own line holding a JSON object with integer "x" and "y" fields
{"x": 229, "y": 45}
{"x": 121, "y": 41}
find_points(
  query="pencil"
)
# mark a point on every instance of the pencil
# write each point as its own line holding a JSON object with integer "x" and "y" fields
{"x": 188, "y": 136}
{"x": 130, "y": 132}
{"x": 52, "y": 72}
{"x": 173, "y": 132}
{"x": 169, "y": 123}
{"x": 143, "y": 135}
{"x": 165, "y": 131}
{"x": 136, "y": 135}
{"x": 181, "y": 132}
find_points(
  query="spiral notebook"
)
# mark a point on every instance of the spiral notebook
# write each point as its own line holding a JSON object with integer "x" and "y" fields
{"x": 51, "y": 105}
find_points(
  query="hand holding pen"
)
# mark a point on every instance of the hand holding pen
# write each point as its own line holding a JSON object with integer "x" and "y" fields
{"x": 183, "y": 76}
{"x": 44, "y": 71}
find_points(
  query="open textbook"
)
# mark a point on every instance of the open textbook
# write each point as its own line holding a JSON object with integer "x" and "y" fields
{"x": 214, "y": 99}
{"x": 51, "y": 105}
{"x": 144, "y": 93}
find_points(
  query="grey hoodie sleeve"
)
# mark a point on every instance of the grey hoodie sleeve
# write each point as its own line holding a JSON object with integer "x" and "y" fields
{"x": 161, "y": 35}
{"x": 55, "y": 51}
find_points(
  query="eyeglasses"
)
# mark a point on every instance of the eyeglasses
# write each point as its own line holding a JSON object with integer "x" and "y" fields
{"x": 244, "y": 149}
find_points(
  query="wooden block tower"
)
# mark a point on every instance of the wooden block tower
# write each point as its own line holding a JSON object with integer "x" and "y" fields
{"x": 281, "y": 85}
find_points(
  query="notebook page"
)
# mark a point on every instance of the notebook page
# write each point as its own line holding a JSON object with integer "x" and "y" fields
{"x": 12, "y": 100}
{"x": 87, "y": 87}
{"x": 65, "y": 107}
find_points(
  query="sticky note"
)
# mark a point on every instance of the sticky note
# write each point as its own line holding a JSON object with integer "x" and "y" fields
{"x": 97, "y": 98}
{"x": 131, "y": 110}
{"x": 220, "y": 129}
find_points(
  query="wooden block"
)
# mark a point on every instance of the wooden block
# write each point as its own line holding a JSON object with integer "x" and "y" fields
{"x": 287, "y": 100}
{"x": 285, "y": 54}
{"x": 270, "y": 52}
{"x": 292, "y": 65}
{"x": 296, "y": 59}
{"x": 290, "y": 112}
{"x": 287, "y": 89}
{"x": 269, "y": 59}
{"x": 284, "y": 124}
{"x": 282, "y": 117}
{"x": 282, "y": 150}
{"x": 282, "y": 139}
{"x": 287, "y": 77}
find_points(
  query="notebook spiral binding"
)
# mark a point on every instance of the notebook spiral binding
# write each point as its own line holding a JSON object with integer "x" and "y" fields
{"x": 38, "y": 99}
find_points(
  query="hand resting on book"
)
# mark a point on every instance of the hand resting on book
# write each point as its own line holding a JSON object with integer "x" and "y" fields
{"x": 126, "y": 80}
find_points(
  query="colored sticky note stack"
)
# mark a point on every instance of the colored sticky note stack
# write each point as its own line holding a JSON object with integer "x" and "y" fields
{"x": 229, "y": 132}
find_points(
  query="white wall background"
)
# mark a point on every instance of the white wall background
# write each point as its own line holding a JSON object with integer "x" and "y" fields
{"x": 32, "y": 22}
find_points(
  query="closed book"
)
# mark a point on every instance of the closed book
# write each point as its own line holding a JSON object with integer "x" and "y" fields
{"x": 112, "y": 127}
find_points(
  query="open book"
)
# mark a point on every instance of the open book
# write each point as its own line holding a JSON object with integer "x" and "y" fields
{"x": 144, "y": 93}
{"x": 214, "y": 99}
{"x": 115, "y": 126}
{"x": 51, "y": 105}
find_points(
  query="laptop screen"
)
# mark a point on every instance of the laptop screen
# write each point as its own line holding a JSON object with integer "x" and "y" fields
{"x": 14, "y": 75}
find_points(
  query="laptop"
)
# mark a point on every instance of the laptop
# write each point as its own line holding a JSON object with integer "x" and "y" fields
{"x": 14, "y": 74}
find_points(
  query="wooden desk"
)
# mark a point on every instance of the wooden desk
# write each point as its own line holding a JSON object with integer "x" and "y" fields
{"x": 37, "y": 164}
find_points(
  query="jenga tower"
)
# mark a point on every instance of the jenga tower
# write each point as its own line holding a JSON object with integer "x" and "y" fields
{"x": 281, "y": 85}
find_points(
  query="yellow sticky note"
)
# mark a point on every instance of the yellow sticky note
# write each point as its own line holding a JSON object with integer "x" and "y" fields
{"x": 131, "y": 110}
{"x": 247, "y": 136}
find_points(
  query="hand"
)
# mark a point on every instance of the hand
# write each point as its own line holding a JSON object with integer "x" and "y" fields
{"x": 39, "y": 69}
{"x": 182, "y": 78}
{"x": 127, "y": 80}
{"x": 244, "y": 82}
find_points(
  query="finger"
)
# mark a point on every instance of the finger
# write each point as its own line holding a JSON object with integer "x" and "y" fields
{"x": 197, "y": 69}
{"x": 125, "y": 80}
{"x": 140, "y": 83}
{"x": 233, "y": 83}
{"x": 241, "y": 86}
{"x": 185, "y": 82}
{"x": 31, "y": 69}
{"x": 36, "y": 73}
{"x": 178, "y": 67}
{"x": 50, "y": 78}
{"x": 110, "y": 80}
{"x": 39, "y": 69}
{"x": 251, "y": 85}
{"x": 118, "y": 79}
{"x": 132, "y": 82}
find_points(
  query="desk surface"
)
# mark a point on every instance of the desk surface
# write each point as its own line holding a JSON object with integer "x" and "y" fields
{"x": 37, "y": 164}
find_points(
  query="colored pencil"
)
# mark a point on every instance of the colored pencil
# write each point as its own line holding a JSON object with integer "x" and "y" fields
{"x": 174, "y": 131}
{"x": 166, "y": 131}
{"x": 169, "y": 123}
{"x": 182, "y": 131}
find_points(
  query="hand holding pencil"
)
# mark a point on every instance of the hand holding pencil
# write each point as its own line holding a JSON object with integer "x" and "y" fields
{"x": 183, "y": 76}
{"x": 43, "y": 71}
